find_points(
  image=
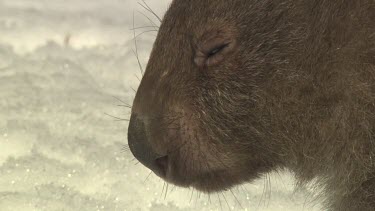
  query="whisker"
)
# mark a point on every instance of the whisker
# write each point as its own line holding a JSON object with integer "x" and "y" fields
{"x": 191, "y": 196}
{"x": 124, "y": 106}
{"x": 126, "y": 148}
{"x": 173, "y": 188}
{"x": 196, "y": 198}
{"x": 142, "y": 27}
{"x": 117, "y": 118}
{"x": 144, "y": 32}
{"x": 166, "y": 191}
{"x": 147, "y": 177}
{"x": 235, "y": 197}
{"x": 162, "y": 190}
{"x": 148, "y": 8}
{"x": 156, "y": 27}
{"x": 136, "y": 48}
{"x": 121, "y": 101}
{"x": 244, "y": 188}
{"x": 221, "y": 206}
{"x": 263, "y": 193}
{"x": 269, "y": 189}
{"x": 225, "y": 199}
{"x": 137, "y": 76}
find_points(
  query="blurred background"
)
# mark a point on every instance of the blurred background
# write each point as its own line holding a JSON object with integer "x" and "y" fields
{"x": 65, "y": 67}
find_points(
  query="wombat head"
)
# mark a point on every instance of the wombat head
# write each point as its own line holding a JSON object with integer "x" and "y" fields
{"x": 199, "y": 118}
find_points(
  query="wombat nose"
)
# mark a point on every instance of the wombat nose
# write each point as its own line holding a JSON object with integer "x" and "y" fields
{"x": 141, "y": 148}
{"x": 162, "y": 166}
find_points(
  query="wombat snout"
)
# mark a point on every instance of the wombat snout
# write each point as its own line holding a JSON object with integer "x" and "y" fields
{"x": 141, "y": 148}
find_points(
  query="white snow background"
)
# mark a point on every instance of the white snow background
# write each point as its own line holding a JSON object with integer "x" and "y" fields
{"x": 62, "y": 63}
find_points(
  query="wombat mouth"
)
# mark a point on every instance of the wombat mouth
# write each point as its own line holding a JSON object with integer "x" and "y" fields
{"x": 209, "y": 181}
{"x": 183, "y": 155}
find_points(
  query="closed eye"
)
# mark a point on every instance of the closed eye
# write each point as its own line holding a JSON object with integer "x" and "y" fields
{"x": 213, "y": 49}
{"x": 217, "y": 49}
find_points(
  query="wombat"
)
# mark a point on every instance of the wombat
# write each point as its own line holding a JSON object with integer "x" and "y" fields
{"x": 235, "y": 89}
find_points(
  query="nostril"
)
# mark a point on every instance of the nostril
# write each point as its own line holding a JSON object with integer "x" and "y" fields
{"x": 162, "y": 165}
{"x": 142, "y": 149}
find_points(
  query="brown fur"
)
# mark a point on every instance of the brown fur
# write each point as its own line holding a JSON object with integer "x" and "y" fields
{"x": 297, "y": 92}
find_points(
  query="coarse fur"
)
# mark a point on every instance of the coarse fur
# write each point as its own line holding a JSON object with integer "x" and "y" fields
{"x": 296, "y": 91}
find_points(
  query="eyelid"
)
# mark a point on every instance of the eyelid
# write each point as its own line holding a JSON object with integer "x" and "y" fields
{"x": 223, "y": 42}
{"x": 214, "y": 43}
{"x": 218, "y": 48}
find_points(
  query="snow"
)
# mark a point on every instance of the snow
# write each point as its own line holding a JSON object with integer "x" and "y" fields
{"x": 63, "y": 63}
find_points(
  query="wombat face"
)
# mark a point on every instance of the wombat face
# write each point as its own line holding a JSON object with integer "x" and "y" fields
{"x": 197, "y": 116}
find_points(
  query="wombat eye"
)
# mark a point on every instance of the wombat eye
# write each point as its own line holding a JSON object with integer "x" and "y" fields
{"x": 216, "y": 50}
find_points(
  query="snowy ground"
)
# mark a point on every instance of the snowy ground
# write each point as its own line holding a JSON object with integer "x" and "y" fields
{"x": 62, "y": 62}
